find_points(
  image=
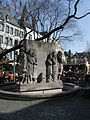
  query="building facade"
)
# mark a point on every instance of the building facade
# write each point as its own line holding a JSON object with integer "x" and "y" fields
{"x": 78, "y": 62}
{"x": 12, "y": 32}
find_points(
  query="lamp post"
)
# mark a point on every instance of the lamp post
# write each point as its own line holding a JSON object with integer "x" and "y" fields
{"x": 14, "y": 65}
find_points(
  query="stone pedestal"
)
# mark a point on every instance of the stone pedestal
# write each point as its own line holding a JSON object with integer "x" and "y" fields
{"x": 40, "y": 86}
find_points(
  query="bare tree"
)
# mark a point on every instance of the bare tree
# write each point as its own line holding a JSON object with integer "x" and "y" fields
{"x": 45, "y": 15}
{"x": 51, "y": 17}
{"x": 14, "y": 6}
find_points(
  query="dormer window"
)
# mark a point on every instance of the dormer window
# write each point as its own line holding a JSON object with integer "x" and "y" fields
{"x": 7, "y": 18}
{"x": 0, "y": 15}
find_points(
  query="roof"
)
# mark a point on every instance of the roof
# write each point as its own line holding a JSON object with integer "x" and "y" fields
{"x": 24, "y": 21}
{"x": 43, "y": 33}
{"x": 6, "y": 15}
{"x": 74, "y": 64}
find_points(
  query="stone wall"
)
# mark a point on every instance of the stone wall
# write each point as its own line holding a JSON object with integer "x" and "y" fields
{"x": 42, "y": 50}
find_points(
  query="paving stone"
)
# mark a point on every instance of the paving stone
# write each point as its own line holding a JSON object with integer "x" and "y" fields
{"x": 65, "y": 108}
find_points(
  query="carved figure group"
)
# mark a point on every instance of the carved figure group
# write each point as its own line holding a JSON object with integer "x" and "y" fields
{"x": 53, "y": 63}
{"x": 29, "y": 66}
{"x": 60, "y": 65}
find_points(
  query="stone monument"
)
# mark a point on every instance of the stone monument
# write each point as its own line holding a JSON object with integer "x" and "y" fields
{"x": 40, "y": 65}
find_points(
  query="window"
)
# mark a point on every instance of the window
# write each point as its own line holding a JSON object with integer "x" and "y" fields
{"x": 7, "y": 29}
{"x": 21, "y": 34}
{"x": 16, "y": 54}
{"x": 11, "y": 41}
{"x": 16, "y": 42}
{"x": 73, "y": 61}
{"x": 0, "y": 15}
{"x": 2, "y": 27}
{"x": 1, "y": 39}
{"x": 84, "y": 61}
{"x": 79, "y": 61}
{"x": 30, "y": 37}
{"x": 6, "y": 41}
{"x": 11, "y": 30}
{"x": 10, "y": 54}
{"x": 16, "y": 32}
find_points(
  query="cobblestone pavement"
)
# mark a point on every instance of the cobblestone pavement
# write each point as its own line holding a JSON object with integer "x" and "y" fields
{"x": 66, "y": 108}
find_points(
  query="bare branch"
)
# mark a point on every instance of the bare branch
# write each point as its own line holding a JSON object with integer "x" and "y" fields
{"x": 69, "y": 8}
{"x": 6, "y": 62}
{"x": 15, "y": 47}
{"x": 75, "y": 7}
{"x": 82, "y": 16}
{"x": 54, "y": 28}
{"x": 9, "y": 50}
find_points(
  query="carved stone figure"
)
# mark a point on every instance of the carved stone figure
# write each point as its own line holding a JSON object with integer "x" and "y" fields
{"x": 29, "y": 65}
{"x": 49, "y": 68}
{"x": 32, "y": 65}
{"x": 59, "y": 58}
{"x": 20, "y": 61}
{"x": 34, "y": 75}
{"x": 54, "y": 66}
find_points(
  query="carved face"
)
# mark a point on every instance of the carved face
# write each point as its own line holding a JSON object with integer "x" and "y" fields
{"x": 50, "y": 56}
{"x": 59, "y": 56}
{"x": 59, "y": 53}
{"x": 21, "y": 51}
{"x": 54, "y": 54}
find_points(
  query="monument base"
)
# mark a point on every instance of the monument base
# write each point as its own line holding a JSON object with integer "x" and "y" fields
{"x": 40, "y": 86}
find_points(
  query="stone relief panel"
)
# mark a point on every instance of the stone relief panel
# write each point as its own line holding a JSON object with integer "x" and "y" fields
{"x": 40, "y": 62}
{"x": 53, "y": 66}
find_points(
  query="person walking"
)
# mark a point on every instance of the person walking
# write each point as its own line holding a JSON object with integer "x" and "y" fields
{"x": 2, "y": 77}
{"x": 10, "y": 76}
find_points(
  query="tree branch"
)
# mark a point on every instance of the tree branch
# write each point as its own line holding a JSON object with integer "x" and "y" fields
{"x": 58, "y": 28}
{"x": 6, "y": 62}
{"x": 15, "y": 47}
{"x": 82, "y": 16}
{"x": 52, "y": 31}
{"x": 75, "y": 7}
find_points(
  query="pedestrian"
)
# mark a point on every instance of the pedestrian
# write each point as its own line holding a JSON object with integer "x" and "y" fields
{"x": 2, "y": 74}
{"x": 5, "y": 77}
{"x": 10, "y": 76}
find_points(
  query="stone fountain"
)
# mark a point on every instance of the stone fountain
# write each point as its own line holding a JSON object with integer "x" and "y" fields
{"x": 39, "y": 67}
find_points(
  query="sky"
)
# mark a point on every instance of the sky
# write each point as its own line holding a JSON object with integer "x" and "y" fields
{"x": 82, "y": 43}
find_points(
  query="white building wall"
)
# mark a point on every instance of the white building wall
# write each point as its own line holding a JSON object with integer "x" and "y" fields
{"x": 34, "y": 35}
{"x": 31, "y": 36}
{"x": 8, "y": 35}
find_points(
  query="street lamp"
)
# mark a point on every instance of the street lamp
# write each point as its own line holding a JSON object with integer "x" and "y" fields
{"x": 14, "y": 65}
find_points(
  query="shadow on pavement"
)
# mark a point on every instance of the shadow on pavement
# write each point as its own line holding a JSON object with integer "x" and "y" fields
{"x": 65, "y": 108}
